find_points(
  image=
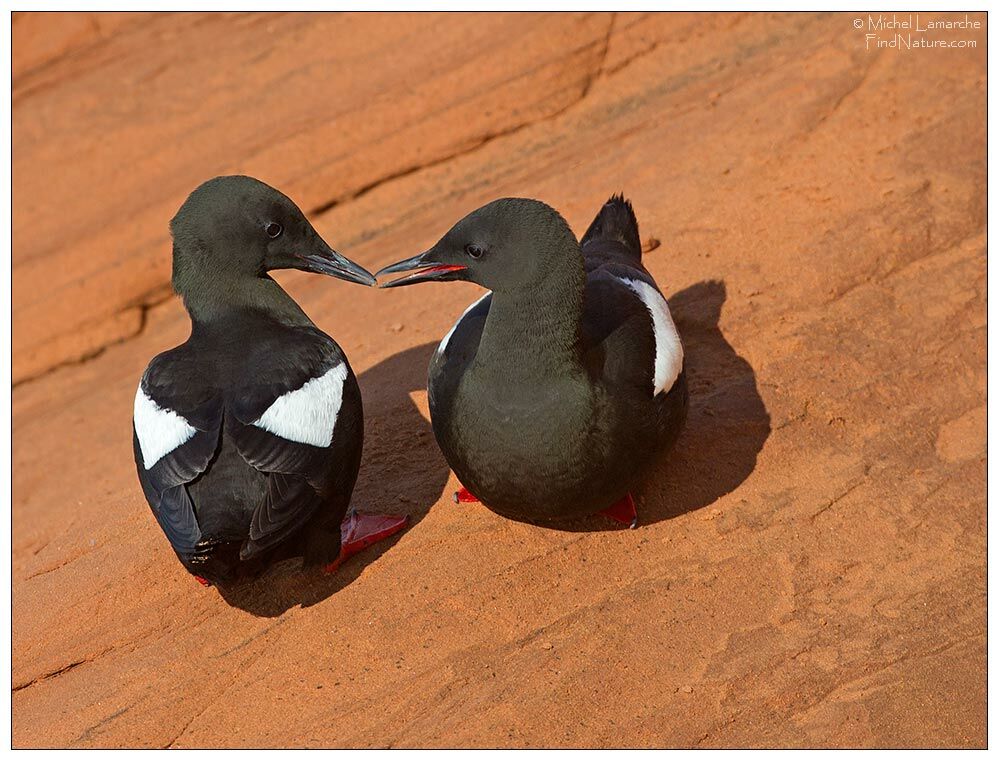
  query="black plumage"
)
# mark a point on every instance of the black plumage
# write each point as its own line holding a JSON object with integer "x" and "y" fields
{"x": 544, "y": 396}
{"x": 233, "y": 496}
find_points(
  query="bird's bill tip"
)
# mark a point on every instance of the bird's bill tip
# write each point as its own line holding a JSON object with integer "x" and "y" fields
{"x": 404, "y": 266}
{"x": 337, "y": 265}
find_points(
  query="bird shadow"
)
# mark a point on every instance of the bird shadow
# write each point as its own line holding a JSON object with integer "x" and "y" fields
{"x": 727, "y": 422}
{"x": 402, "y": 471}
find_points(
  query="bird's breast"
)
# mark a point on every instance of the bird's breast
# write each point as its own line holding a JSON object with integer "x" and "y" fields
{"x": 513, "y": 437}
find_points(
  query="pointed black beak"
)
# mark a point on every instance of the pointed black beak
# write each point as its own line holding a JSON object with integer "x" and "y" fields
{"x": 326, "y": 261}
{"x": 429, "y": 270}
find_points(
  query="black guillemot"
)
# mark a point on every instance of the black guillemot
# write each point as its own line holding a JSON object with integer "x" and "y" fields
{"x": 247, "y": 437}
{"x": 556, "y": 392}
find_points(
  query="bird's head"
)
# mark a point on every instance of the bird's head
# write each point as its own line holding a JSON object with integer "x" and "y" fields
{"x": 505, "y": 245}
{"x": 238, "y": 227}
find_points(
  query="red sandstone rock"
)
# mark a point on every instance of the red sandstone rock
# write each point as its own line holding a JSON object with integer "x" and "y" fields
{"x": 821, "y": 212}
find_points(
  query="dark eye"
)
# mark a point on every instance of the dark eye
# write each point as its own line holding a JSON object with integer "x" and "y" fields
{"x": 473, "y": 251}
{"x": 273, "y": 230}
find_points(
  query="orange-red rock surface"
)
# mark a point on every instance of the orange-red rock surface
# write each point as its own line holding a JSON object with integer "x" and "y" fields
{"x": 810, "y": 568}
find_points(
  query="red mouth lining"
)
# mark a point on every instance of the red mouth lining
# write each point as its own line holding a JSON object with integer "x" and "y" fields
{"x": 442, "y": 268}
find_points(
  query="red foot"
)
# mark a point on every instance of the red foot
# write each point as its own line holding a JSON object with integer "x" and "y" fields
{"x": 623, "y": 511}
{"x": 464, "y": 495}
{"x": 361, "y": 530}
{"x": 203, "y": 582}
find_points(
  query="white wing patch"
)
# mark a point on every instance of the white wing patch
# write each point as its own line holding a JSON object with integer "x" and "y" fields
{"x": 444, "y": 341}
{"x": 159, "y": 431}
{"x": 307, "y": 414}
{"x": 669, "y": 350}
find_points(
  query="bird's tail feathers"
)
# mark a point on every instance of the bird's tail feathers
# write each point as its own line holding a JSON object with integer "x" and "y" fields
{"x": 616, "y": 221}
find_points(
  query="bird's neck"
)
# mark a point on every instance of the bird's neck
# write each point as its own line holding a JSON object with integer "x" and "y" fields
{"x": 534, "y": 333}
{"x": 211, "y": 301}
